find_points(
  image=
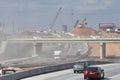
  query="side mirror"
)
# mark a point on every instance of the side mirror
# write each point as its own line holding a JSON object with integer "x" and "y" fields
{"x": 88, "y": 64}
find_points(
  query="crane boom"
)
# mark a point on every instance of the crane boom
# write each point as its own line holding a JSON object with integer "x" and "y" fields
{"x": 53, "y": 23}
{"x": 76, "y": 23}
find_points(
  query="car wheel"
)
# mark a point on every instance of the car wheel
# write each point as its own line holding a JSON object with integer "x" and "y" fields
{"x": 103, "y": 76}
{"x": 85, "y": 77}
{"x": 74, "y": 71}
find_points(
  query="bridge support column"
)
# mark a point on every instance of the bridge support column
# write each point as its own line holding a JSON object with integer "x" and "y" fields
{"x": 102, "y": 50}
{"x": 34, "y": 50}
{"x": 39, "y": 48}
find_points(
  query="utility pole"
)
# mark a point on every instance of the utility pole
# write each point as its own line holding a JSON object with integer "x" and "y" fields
{"x": 72, "y": 17}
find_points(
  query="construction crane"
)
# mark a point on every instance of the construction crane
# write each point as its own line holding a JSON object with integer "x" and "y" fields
{"x": 76, "y": 23}
{"x": 54, "y": 20}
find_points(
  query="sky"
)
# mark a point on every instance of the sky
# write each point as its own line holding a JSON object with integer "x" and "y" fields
{"x": 40, "y": 14}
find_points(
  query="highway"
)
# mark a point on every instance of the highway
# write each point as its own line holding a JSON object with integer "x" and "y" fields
{"x": 23, "y": 48}
{"x": 112, "y": 72}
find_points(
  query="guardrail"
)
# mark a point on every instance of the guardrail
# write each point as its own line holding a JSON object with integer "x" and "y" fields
{"x": 43, "y": 70}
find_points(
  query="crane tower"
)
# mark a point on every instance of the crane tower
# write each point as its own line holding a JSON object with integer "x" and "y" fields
{"x": 54, "y": 20}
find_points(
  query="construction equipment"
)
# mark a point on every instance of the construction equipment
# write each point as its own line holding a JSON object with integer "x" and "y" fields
{"x": 53, "y": 23}
{"x": 76, "y": 23}
{"x": 82, "y": 24}
{"x": 84, "y": 21}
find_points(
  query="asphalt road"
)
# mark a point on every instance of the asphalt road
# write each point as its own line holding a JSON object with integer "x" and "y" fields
{"x": 112, "y": 72}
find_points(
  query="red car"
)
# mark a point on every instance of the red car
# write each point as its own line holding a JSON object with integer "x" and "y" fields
{"x": 7, "y": 70}
{"x": 94, "y": 73}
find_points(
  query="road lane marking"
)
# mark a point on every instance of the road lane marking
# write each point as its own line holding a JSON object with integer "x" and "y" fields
{"x": 49, "y": 75}
{"x": 115, "y": 76}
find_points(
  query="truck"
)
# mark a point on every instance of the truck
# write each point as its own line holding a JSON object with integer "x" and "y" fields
{"x": 57, "y": 54}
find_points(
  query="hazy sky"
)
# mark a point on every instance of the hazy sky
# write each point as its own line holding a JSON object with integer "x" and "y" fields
{"x": 39, "y": 14}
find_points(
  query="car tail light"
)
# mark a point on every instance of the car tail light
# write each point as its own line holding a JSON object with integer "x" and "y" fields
{"x": 86, "y": 72}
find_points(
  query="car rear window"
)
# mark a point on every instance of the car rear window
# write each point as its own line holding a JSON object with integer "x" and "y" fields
{"x": 81, "y": 63}
{"x": 92, "y": 68}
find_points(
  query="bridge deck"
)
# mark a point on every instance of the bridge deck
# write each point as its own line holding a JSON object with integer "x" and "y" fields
{"x": 63, "y": 40}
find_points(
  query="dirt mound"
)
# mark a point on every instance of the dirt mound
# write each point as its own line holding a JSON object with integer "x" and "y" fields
{"x": 84, "y": 31}
{"x": 109, "y": 35}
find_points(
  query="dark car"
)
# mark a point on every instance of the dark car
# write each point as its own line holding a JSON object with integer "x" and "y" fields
{"x": 80, "y": 67}
{"x": 94, "y": 73}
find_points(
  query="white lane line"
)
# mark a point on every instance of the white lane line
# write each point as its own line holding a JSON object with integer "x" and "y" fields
{"x": 62, "y": 73}
{"x": 109, "y": 66}
{"x": 58, "y": 73}
{"x": 49, "y": 75}
{"x": 104, "y": 65}
{"x": 115, "y": 76}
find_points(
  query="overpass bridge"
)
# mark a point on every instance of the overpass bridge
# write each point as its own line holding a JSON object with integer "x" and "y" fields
{"x": 35, "y": 41}
{"x": 63, "y": 40}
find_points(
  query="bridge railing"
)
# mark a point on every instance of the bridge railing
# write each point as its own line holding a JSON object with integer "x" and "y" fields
{"x": 63, "y": 40}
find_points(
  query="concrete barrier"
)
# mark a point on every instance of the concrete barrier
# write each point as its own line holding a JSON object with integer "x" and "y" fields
{"x": 38, "y": 71}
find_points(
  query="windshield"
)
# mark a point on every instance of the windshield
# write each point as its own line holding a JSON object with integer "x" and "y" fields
{"x": 9, "y": 71}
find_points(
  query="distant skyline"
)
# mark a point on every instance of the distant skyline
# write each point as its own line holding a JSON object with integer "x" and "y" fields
{"x": 39, "y": 14}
